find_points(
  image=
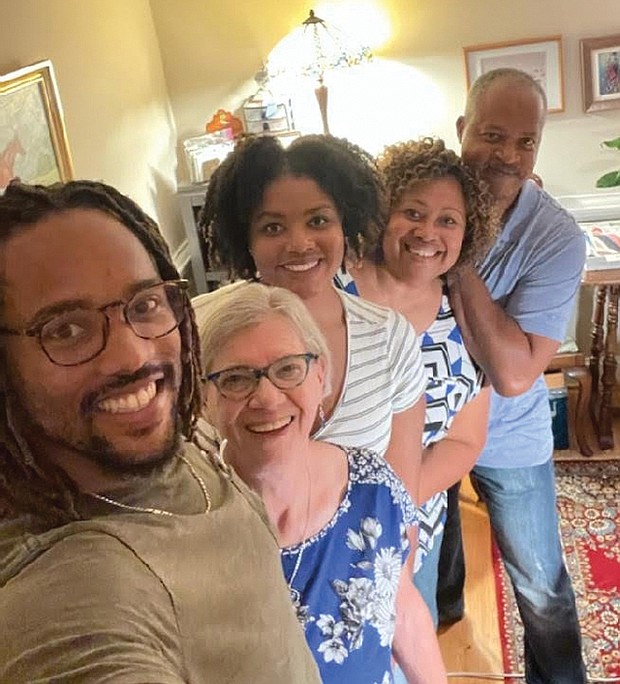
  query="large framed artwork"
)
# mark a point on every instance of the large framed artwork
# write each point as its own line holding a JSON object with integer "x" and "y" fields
{"x": 600, "y": 73}
{"x": 541, "y": 58}
{"x": 33, "y": 141}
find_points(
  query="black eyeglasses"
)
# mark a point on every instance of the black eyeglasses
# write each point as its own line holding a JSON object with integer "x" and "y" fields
{"x": 285, "y": 373}
{"x": 78, "y": 335}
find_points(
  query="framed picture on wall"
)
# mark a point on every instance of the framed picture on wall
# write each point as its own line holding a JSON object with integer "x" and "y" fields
{"x": 541, "y": 58}
{"x": 33, "y": 141}
{"x": 600, "y": 73}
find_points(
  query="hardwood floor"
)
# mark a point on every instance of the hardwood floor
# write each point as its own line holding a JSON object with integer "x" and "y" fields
{"x": 472, "y": 645}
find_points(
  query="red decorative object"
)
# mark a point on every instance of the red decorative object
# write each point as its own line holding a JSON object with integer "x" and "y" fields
{"x": 589, "y": 509}
{"x": 223, "y": 120}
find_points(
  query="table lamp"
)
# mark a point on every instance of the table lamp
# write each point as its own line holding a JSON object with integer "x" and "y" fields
{"x": 311, "y": 49}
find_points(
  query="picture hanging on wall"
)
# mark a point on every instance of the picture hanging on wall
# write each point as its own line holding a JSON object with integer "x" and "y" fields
{"x": 600, "y": 73}
{"x": 541, "y": 58}
{"x": 33, "y": 141}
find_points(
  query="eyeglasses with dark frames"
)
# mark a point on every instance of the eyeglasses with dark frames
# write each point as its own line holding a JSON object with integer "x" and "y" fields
{"x": 240, "y": 382}
{"x": 79, "y": 334}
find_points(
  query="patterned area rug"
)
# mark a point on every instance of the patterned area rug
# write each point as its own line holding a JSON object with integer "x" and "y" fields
{"x": 589, "y": 507}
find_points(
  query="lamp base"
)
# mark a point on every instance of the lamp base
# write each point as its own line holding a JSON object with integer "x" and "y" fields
{"x": 321, "y": 97}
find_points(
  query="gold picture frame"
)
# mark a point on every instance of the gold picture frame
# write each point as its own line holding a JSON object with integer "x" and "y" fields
{"x": 541, "y": 58}
{"x": 600, "y": 73}
{"x": 33, "y": 139}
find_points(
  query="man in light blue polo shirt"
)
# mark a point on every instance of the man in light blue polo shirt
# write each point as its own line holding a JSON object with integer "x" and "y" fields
{"x": 513, "y": 314}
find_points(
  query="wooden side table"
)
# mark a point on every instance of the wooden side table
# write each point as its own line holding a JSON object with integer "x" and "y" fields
{"x": 603, "y": 344}
{"x": 573, "y": 365}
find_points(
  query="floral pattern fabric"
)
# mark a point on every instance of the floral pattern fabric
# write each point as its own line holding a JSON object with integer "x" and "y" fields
{"x": 345, "y": 583}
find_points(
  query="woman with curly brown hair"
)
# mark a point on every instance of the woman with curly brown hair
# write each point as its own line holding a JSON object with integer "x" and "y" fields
{"x": 440, "y": 216}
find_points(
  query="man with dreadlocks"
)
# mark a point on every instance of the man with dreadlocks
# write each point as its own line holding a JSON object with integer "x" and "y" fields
{"x": 127, "y": 554}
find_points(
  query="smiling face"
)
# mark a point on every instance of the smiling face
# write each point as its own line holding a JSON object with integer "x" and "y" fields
{"x": 501, "y": 137}
{"x": 119, "y": 409}
{"x": 270, "y": 424}
{"x": 296, "y": 237}
{"x": 425, "y": 231}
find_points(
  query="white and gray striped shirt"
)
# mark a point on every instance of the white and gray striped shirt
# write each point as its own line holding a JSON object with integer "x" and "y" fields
{"x": 384, "y": 375}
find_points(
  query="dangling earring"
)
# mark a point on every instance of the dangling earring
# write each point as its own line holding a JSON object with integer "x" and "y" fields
{"x": 322, "y": 417}
{"x": 256, "y": 278}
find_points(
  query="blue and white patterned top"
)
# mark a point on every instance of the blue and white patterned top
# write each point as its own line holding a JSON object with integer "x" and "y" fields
{"x": 345, "y": 588}
{"x": 453, "y": 379}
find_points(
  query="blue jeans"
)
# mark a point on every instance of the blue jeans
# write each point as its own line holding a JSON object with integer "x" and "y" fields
{"x": 522, "y": 508}
{"x": 425, "y": 579}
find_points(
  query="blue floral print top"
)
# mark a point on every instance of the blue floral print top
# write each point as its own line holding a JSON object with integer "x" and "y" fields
{"x": 344, "y": 589}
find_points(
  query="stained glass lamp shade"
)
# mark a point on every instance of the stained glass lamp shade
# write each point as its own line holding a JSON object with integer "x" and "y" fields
{"x": 313, "y": 48}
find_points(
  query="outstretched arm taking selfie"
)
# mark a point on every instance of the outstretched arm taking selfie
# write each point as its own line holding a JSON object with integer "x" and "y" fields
{"x": 90, "y": 620}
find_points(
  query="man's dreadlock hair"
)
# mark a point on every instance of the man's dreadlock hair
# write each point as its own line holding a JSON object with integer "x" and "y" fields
{"x": 343, "y": 171}
{"x": 25, "y": 487}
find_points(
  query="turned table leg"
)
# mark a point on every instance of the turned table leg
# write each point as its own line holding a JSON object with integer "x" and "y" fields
{"x": 582, "y": 375}
{"x": 596, "y": 335}
{"x": 606, "y": 438}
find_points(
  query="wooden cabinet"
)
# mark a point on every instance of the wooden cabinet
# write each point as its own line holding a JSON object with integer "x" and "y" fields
{"x": 603, "y": 273}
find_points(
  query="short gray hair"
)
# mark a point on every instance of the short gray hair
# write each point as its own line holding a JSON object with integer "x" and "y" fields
{"x": 222, "y": 314}
{"x": 482, "y": 83}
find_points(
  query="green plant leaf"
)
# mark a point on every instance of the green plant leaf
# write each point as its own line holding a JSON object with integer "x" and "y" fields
{"x": 609, "y": 180}
{"x": 615, "y": 143}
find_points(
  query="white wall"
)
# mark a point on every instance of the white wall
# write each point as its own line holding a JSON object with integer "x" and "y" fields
{"x": 211, "y": 51}
{"x": 111, "y": 83}
{"x": 135, "y": 77}
{"x": 417, "y": 84}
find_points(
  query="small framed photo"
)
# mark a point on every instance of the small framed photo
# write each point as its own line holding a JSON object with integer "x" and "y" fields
{"x": 541, "y": 58}
{"x": 600, "y": 73}
{"x": 33, "y": 141}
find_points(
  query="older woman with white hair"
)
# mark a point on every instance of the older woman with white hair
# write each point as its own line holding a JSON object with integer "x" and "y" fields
{"x": 340, "y": 514}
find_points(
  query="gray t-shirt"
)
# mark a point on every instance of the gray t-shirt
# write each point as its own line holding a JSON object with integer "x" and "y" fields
{"x": 137, "y": 598}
